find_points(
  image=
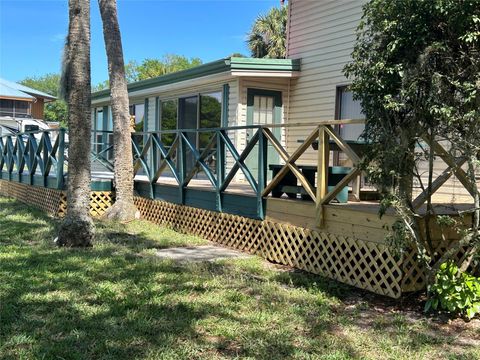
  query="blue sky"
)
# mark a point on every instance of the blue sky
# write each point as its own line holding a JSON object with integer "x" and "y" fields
{"x": 32, "y": 32}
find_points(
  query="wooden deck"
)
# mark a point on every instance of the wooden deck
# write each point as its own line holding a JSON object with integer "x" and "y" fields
{"x": 346, "y": 242}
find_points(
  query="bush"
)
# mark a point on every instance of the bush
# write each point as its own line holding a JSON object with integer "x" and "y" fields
{"x": 455, "y": 292}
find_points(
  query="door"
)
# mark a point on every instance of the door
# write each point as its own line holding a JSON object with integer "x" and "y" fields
{"x": 263, "y": 107}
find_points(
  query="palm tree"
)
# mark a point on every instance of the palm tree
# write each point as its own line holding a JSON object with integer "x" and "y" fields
{"x": 124, "y": 207}
{"x": 77, "y": 228}
{"x": 268, "y": 35}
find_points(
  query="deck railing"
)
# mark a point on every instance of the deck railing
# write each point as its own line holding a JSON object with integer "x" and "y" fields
{"x": 184, "y": 154}
{"x": 35, "y": 158}
{"x": 183, "y": 158}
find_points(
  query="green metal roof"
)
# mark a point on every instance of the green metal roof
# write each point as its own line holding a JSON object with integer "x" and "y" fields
{"x": 215, "y": 67}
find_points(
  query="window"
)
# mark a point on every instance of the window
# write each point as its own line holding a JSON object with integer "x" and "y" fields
{"x": 348, "y": 108}
{"x": 137, "y": 111}
{"x": 210, "y": 115}
{"x": 168, "y": 120}
{"x": 99, "y": 119}
{"x": 6, "y": 107}
{"x": 188, "y": 108}
{"x": 15, "y": 108}
{"x": 22, "y": 108}
{"x": 98, "y": 130}
{"x": 263, "y": 107}
{"x": 110, "y": 119}
{"x": 210, "y": 110}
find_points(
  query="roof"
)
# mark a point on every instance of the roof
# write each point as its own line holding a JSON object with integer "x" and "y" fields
{"x": 10, "y": 87}
{"x": 8, "y": 92}
{"x": 231, "y": 64}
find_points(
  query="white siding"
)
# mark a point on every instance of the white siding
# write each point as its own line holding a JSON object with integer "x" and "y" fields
{"x": 321, "y": 33}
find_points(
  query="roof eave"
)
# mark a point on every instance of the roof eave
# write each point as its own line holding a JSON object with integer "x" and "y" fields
{"x": 235, "y": 66}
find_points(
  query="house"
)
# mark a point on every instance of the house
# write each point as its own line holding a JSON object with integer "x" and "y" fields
{"x": 21, "y": 107}
{"x": 308, "y": 86}
{"x": 257, "y": 154}
{"x": 225, "y": 93}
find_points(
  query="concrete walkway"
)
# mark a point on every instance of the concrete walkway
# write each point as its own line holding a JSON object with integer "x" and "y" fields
{"x": 200, "y": 253}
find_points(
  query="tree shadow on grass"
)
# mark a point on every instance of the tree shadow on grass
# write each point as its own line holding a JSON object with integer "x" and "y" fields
{"x": 112, "y": 302}
{"x": 97, "y": 303}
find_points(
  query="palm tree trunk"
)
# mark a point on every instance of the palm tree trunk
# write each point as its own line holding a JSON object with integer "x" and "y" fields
{"x": 124, "y": 208}
{"x": 77, "y": 228}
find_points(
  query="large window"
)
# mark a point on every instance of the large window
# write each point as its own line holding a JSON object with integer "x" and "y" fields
{"x": 202, "y": 111}
{"x": 15, "y": 108}
{"x": 210, "y": 115}
{"x": 168, "y": 120}
{"x": 137, "y": 112}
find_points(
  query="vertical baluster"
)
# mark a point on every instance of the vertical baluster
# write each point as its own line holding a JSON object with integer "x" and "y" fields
{"x": 20, "y": 159}
{"x": 322, "y": 172}
{"x": 32, "y": 144}
{"x": 2, "y": 160}
{"x": 60, "y": 158}
{"x": 45, "y": 154}
{"x": 220, "y": 168}
{"x": 262, "y": 171}
{"x": 182, "y": 165}
{"x": 9, "y": 157}
{"x": 150, "y": 165}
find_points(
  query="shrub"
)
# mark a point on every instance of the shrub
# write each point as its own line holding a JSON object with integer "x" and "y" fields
{"x": 454, "y": 291}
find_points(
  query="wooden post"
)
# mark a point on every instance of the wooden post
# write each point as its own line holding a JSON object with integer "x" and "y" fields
{"x": 262, "y": 171}
{"x": 322, "y": 172}
{"x": 32, "y": 150}
{"x": 154, "y": 155}
{"x": 220, "y": 168}
{"x": 46, "y": 154}
{"x": 182, "y": 166}
{"x": 356, "y": 187}
{"x": 60, "y": 158}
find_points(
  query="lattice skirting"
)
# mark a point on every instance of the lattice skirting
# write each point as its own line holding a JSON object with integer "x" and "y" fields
{"x": 54, "y": 201}
{"x": 367, "y": 265}
{"x": 414, "y": 278}
{"x": 364, "y": 264}
{"x": 48, "y": 200}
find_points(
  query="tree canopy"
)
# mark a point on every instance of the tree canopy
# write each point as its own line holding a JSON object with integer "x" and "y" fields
{"x": 49, "y": 83}
{"x": 416, "y": 70}
{"x": 150, "y": 68}
{"x": 268, "y": 35}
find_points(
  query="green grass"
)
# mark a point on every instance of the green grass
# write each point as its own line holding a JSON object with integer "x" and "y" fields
{"x": 118, "y": 301}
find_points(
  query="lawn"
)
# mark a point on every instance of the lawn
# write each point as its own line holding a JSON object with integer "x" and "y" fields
{"x": 119, "y": 301}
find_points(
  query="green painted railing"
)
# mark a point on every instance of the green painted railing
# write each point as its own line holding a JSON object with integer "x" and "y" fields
{"x": 35, "y": 158}
{"x": 184, "y": 160}
{"x": 41, "y": 158}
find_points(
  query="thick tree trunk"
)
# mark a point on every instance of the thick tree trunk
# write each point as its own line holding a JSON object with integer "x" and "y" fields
{"x": 77, "y": 228}
{"x": 124, "y": 208}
